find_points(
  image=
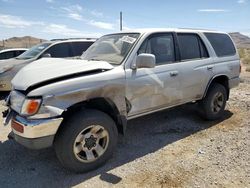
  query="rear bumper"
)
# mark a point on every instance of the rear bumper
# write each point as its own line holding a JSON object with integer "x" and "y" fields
{"x": 233, "y": 82}
{"x": 35, "y": 134}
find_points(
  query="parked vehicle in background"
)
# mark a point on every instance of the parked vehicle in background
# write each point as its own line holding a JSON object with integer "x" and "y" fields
{"x": 59, "y": 48}
{"x": 11, "y": 53}
{"x": 80, "y": 106}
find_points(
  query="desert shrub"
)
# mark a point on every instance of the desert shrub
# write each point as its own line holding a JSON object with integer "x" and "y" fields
{"x": 241, "y": 52}
{"x": 248, "y": 69}
{"x": 244, "y": 55}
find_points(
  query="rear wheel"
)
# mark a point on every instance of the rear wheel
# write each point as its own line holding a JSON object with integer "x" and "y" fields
{"x": 213, "y": 105}
{"x": 86, "y": 140}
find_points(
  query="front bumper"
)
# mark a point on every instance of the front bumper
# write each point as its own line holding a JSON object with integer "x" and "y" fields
{"x": 35, "y": 143}
{"x": 35, "y": 134}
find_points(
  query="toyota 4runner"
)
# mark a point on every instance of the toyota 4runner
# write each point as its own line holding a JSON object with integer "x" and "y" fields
{"x": 80, "y": 106}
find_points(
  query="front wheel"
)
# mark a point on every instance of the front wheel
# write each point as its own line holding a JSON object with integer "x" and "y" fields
{"x": 213, "y": 105}
{"x": 86, "y": 140}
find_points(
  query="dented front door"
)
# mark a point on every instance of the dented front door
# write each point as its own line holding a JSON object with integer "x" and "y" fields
{"x": 150, "y": 89}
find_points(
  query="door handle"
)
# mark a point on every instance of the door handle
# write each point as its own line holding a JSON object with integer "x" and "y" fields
{"x": 173, "y": 73}
{"x": 210, "y": 67}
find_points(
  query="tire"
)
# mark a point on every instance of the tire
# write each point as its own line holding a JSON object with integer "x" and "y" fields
{"x": 213, "y": 105}
{"x": 86, "y": 140}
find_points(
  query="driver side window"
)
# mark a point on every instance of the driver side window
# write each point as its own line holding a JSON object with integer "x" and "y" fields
{"x": 162, "y": 46}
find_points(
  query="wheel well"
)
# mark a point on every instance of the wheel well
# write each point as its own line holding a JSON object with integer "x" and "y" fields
{"x": 104, "y": 105}
{"x": 223, "y": 80}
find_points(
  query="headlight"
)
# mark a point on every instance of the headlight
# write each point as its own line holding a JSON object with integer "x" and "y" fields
{"x": 16, "y": 101}
{"x": 24, "y": 106}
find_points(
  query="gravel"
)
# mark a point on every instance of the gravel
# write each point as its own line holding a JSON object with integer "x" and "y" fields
{"x": 172, "y": 148}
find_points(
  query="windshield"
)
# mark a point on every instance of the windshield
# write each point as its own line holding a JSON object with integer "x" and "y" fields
{"x": 111, "y": 48}
{"x": 34, "y": 51}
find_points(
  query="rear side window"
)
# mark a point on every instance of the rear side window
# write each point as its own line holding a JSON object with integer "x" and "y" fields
{"x": 2, "y": 56}
{"x": 60, "y": 50}
{"x": 79, "y": 47}
{"x": 222, "y": 44}
{"x": 191, "y": 47}
{"x": 7, "y": 55}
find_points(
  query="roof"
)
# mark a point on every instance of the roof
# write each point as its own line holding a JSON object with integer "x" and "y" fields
{"x": 13, "y": 49}
{"x": 74, "y": 40}
{"x": 154, "y": 30}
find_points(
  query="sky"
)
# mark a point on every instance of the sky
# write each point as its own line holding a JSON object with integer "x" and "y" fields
{"x": 48, "y": 19}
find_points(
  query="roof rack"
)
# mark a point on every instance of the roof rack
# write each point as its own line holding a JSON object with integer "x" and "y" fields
{"x": 73, "y": 39}
{"x": 195, "y": 29}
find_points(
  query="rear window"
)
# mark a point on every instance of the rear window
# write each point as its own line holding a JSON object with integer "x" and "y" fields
{"x": 222, "y": 44}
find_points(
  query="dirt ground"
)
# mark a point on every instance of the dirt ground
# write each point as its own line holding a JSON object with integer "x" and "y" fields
{"x": 172, "y": 148}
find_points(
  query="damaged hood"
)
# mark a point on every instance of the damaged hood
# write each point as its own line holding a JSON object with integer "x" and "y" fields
{"x": 51, "y": 68}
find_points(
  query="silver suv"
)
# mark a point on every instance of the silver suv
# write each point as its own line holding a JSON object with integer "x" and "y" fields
{"x": 80, "y": 106}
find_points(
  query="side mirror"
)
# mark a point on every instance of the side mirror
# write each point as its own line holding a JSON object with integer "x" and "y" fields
{"x": 46, "y": 55}
{"x": 145, "y": 61}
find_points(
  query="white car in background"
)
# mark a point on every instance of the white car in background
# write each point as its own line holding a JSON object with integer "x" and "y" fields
{"x": 58, "y": 48}
{"x": 11, "y": 53}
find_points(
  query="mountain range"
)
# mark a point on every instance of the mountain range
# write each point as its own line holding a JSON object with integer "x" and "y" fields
{"x": 20, "y": 42}
{"x": 241, "y": 41}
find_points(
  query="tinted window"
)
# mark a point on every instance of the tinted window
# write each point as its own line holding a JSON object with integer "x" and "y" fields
{"x": 7, "y": 55}
{"x": 10, "y": 54}
{"x": 19, "y": 52}
{"x": 162, "y": 46}
{"x": 59, "y": 50}
{"x": 2, "y": 56}
{"x": 79, "y": 47}
{"x": 221, "y": 43}
{"x": 191, "y": 47}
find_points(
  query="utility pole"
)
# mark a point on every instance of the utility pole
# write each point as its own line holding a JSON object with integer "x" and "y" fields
{"x": 121, "y": 21}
